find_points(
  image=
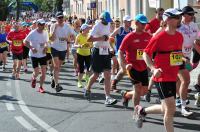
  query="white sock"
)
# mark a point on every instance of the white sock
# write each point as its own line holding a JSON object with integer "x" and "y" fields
{"x": 183, "y": 104}
{"x": 112, "y": 77}
{"x": 107, "y": 96}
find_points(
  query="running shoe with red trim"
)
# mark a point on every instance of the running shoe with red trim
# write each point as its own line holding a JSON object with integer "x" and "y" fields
{"x": 41, "y": 90}
{"x": 33, "y": 83}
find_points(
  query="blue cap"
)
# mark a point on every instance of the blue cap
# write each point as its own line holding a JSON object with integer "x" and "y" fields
{"x": 24, "y": 24}
{"x": 141, "y": 18}
{"x": 106, "y": 16}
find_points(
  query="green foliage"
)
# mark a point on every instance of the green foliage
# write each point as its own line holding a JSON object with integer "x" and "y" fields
{"x": 3, "y": 9}
{"x": 45, "y": 5}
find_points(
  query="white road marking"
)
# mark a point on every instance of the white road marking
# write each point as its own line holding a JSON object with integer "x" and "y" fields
{"x": 29, "y": 113}
{"x": 25, "y": 123}
{"x": 9, "y": 105}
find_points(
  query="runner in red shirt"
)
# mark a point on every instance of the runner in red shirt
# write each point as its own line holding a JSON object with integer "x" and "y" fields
{"x": 154, "y": 23}
{"x": 133, "y": 45}
{"x": 168, "y": 46}
{"x": 152, "y": 27}
{"x": 26, "y": 31}
{"x": 15, "y": 38}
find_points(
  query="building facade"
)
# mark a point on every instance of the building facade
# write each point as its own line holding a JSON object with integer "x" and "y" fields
{"x": 119, "y": 8}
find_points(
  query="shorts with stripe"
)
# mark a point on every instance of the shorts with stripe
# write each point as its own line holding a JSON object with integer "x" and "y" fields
{"x": 138, "y": 77}
{"x": 166, "y": 89}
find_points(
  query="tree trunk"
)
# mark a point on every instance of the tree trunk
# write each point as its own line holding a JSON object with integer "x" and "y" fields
{"x": 18, "y": 10}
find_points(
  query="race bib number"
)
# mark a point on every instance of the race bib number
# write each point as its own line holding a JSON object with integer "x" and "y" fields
{"x": 176, "y": 58}
{"x": 41, "y": 45}
{"x": 2, "y": 45}
{"x": 17, "y": 42}
{"x": 139, "y": 54}
{"x": 103, "y": 51}
{"x": 62, "y": 41}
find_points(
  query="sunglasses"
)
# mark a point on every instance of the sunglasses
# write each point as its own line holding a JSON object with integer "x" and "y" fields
{"x": 190, "y": 14}
{"x": 41, "y": 24}
{"x": 175, "y": 17}
{"x": 60, "y": 17}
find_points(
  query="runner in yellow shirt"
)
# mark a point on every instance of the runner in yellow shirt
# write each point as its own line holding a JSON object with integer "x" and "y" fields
{"x": 83, "y": 53}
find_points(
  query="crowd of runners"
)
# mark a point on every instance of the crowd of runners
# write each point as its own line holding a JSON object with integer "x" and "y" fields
{"x": 159, "y": 53}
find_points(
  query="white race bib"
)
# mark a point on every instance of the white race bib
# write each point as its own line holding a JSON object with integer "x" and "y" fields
{"x": 62, "y": 41}
{"x": 103, "y": 50}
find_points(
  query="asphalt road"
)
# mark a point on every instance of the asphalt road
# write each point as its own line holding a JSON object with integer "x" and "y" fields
{"x": 23, "y": 109}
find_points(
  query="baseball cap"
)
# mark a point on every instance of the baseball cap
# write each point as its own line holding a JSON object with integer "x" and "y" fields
{"x": 84, "y": 26}
{"x": 53, "y": 19}
{"x": 171, "y": 12}
{"x": 127, "y": 18}
{"x": 141, "y": 18}
{"x": 41, "y": 21}
{"x": 188, "y": 10}
{"x": 34, "y": 21}
{"x": 24, "y": 24}
{"x": 59, "y": 14}
{"x": 106, "y": 16}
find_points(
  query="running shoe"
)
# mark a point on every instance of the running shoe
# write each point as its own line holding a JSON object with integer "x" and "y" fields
{"x": 58, "y": 88}
{"x": 110, "y": 101}
{"x": 124, "y": 99}
{"x": 53, "y": 83}
{"x": 178, "y": 102}
{"x": 4, "y": 68}
{"x": 87, "y": 94}
{"x": 197, "y": 87}
{"x": 147, "y": 97}
{"x": 186, "y": 112}
{"x": 33, "y": 83}
{"x": 41, "y": 90}
{"x": 101, "y": 80}
{"x": 80, "y": 84}
{"x": 197, "y": 97}
{"x": 138, "y": 116}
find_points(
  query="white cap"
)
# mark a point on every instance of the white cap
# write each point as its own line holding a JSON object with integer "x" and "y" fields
{"x": 34, "y": 21}
{"x": 84, "y": 26}
{"x": 53, "y": 19}
{"x": 170, "y": 13}
{"x": 41, "y": 21}
{"x": 127, "y": 18}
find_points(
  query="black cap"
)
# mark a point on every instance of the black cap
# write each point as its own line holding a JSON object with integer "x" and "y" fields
{"x": 59, "y": 14}
{"x": 188, "y": 10}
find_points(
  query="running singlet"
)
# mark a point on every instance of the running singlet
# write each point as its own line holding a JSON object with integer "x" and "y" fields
{"x": 82, "y": 40}
{"x": 17, "y": 41}
{"x": 190, "y": 33}
{"x": 120, "y": 37}
{"x": 3, "y": 42}
{"x": 168, "y": 57}
{"x": 133, "y": 45}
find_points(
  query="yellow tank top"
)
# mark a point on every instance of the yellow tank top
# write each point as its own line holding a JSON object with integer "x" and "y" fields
{"x": 82, "y": 40}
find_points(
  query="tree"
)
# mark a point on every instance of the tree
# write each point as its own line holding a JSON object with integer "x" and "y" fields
{"x": 18, "y": 9}
{"x": 3, "y": 9}
{"x": 59, "y": 5}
